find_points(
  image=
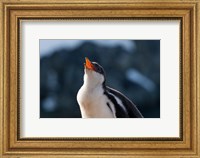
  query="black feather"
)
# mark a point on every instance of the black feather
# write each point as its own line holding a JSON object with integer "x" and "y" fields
{"x": 119, "y": 111}
{"x": 132, "y": 110}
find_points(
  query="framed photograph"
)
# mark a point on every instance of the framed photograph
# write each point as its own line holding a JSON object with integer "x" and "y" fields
{"x": 99, "y": 79}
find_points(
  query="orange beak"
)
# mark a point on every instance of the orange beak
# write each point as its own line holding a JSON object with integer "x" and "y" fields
{"x": 88, "y": 64}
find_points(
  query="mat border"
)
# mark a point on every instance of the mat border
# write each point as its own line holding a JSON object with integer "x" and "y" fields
{"x": 102, "y": 138}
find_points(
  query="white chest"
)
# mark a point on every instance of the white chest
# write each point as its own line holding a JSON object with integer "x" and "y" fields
{"x": 93, "y": 103}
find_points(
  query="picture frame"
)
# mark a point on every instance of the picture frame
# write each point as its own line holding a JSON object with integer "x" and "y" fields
{"x": 12, "y": 12}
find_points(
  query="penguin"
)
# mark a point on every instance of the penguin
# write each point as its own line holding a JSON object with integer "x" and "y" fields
{"x": 96, "y": 100}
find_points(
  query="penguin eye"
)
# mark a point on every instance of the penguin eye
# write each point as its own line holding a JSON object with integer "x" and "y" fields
{"x": 97, "y": 68}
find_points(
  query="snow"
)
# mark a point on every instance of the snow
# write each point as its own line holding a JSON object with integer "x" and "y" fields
{"x": 135, "y": 76}
{"x": 49, "y": 104}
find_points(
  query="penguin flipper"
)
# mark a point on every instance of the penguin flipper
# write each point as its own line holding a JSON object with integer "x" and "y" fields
{"x": 131, "y": 108}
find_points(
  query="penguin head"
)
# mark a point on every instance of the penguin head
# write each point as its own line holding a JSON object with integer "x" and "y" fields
{"x": 94, "y": 72}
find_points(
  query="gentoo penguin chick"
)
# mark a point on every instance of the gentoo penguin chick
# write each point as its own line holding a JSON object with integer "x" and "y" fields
{"x": 96, "y": 100}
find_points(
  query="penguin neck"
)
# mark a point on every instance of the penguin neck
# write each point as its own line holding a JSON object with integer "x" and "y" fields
{"x": 90, "y": 84}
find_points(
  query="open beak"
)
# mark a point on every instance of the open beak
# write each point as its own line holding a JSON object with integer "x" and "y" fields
{"x": 88, "y": 64}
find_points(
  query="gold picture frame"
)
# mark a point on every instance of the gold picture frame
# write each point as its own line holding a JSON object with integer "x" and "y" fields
{"x": 12, "y": 12}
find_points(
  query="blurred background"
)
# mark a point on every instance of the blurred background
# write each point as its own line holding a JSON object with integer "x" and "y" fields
{"x": 132, "y": 67}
